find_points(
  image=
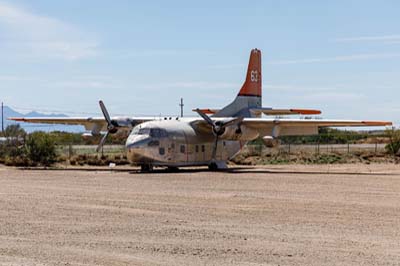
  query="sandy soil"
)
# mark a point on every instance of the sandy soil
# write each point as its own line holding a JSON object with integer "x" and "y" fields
{"x": 280, "y": 215}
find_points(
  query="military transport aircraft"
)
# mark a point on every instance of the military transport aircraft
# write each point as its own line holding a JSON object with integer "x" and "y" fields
{"x": 213, "y": 138}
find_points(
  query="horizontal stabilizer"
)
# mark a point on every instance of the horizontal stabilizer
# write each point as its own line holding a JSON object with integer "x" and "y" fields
{"x": 270, "y": 111}
{"x": 207, "y": 111}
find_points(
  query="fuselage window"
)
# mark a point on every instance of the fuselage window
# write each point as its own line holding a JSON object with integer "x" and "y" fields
{"x": 182, "y": 148}
{"x": 161, "y": 151}
{"x": 203, "y": 148}
{"x": 197, "y": 148}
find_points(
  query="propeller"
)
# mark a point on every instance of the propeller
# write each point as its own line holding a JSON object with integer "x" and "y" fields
{"x": 218, "y": 128}
{"x": 112, "y": 125}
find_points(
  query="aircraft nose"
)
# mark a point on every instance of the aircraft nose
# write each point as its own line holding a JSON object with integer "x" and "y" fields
{"x": 136, "y": 147}
{"x": 137, "y": 141}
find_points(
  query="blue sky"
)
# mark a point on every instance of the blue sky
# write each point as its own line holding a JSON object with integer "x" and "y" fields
{"x": 140, "y": 57}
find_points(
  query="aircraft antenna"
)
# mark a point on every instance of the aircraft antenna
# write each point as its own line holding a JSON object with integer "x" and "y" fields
{"x": 181, "y": 105}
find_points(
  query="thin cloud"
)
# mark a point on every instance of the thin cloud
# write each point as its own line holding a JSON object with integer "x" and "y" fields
{"x": 384, "y": 38}
{"x": 227, "y": 66}
{"x": 190, "y": 85}
{"x": 86, "y": 85}
{"x": 345, "y": 58}
{"x": 155, "y": 53}
{"x": 330, "y": 96}
{"x": 27, "y": 34}
{"x": 297, "y": 89}
{"x": 9, "y": 78}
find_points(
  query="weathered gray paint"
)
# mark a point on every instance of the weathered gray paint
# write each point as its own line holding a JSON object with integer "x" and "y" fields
{"x": 179, "y": 133}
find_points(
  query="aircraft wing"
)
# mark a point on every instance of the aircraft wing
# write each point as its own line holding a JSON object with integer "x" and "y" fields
{"x": 270, "y": 111}
{"x": 293, "y": 127}
{"x": 93, "y": 124}
{"x": 289, "y": 127}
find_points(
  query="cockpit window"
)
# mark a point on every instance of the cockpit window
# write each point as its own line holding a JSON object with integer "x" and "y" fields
{"x": 153, "y": 132}
{"x": 141, "y": 131}
{"x": 144, "y": 131}
{"x": 158, "y": 133}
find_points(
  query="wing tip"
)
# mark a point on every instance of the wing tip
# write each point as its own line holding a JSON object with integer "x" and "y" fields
{"x": 377, "y": 123}
{"x": 306, "y": 111}
{"x": 206, "y": 111}
{"x": 18, "y": 119}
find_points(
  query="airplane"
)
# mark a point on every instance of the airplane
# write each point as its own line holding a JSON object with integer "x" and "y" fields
{"x": 211, "y": 139}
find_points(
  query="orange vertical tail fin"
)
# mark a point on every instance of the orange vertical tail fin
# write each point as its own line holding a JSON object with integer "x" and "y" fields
{"x": 250, "y": 95}
{"x": 252, "y": 85}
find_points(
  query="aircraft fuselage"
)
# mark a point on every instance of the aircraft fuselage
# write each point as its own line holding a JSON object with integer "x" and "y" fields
{"x": 175, "y": 143}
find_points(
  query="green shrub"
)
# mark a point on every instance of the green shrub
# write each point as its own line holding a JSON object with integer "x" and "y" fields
{"x": 41, "y": 149}
{"x": 394, "y": 145}
{"x": 19, "y": 161}
{"x": 13, "y": 154}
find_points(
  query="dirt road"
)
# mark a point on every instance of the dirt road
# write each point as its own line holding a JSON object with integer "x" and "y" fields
{"x": 286, "y": 215}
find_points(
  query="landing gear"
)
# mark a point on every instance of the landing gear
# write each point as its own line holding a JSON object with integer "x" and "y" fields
{"x": 146, "y": 168}
{"x": 213, "y": 167}
{"x": 217, "y": 166}
{"x": 172, "y": 169}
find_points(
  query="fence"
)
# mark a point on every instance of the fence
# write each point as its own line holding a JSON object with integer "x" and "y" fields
{"x": 70, "y": 150}
{"x": 258, "y": 149}
{"x": 315, "y": 148}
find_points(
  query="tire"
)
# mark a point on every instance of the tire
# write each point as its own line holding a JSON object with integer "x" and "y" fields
{"x": 172, "y": 169}
{"x": 146, "y": 168}
{"x": 213, "y": 167}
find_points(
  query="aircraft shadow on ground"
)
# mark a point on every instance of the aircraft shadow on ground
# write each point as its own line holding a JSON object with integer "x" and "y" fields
{"x": 231, "y": 170}
{"x": 255, "y": 170}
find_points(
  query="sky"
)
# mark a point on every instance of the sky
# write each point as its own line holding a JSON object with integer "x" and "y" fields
{"x": 141, "y": 57}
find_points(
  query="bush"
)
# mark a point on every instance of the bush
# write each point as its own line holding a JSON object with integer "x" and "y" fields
{"x": 13, "y": 154}
{"x": 18, "y": 161}
{"x": 41, "y": 149}
{"x": 14, "y": 132}
{"x": 394, "y": 145}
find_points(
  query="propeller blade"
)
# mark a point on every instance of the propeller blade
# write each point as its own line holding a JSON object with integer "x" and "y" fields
{"x": 205, "y": 117}
{"x": 214, "y": 151}
{"x": 102, "y": 141}
{"x": 233, "y": 121}
{"x": 112, "y": 125}
{"x": 218, "y": 128}
{"x": 105, "y": 112}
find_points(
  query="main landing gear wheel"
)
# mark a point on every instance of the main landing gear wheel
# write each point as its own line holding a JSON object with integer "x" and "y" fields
{"x": 172, "y": 169}
{"x": 213, "y": 167}
{"x": 217, "y": 166}
{"x": 145, "y": 168}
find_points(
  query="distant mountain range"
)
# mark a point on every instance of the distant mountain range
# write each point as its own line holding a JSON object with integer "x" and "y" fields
{"x": 8, "y": 112}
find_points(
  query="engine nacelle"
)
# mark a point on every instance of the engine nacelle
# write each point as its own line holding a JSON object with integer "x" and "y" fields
{"x": 270, "y": 142}
{"x": 87, "y": 135}
{"x": 239, "y": 133}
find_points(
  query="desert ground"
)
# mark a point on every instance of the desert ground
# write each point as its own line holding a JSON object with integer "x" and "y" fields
{"x": 276, "y": 215}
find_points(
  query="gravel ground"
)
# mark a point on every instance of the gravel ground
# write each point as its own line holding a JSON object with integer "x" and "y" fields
{"x": 280, "y": 215}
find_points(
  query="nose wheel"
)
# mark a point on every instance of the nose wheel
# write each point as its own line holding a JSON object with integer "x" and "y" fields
{"x": 172, "y": 169}
{"x": 146, "y": 168}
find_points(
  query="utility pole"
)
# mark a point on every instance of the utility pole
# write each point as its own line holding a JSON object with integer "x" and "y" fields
{"x": 181, "y": 105}
{"x": 2, "y": 117}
